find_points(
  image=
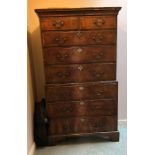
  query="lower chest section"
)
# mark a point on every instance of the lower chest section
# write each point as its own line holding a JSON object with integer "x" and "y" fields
{"x": 82, "y": 108}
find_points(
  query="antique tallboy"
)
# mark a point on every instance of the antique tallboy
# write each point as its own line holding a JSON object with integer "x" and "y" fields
{"x": 79, "y": 52}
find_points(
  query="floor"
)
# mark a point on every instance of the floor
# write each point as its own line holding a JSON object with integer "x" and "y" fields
{"x": 83, "y": 146}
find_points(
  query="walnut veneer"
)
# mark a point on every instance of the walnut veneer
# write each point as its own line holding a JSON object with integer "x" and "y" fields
{"x": 79, "y": 49}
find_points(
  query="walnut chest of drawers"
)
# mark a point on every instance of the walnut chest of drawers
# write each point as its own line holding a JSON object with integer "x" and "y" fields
{"x": 79, "y": 50}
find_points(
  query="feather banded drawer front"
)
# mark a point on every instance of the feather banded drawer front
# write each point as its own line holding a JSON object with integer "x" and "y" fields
{"x": 79, "y": 50}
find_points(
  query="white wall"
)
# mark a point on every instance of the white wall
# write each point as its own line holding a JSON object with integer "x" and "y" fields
{"x": 34, "y": 33}
{"x": 30, "y": 105}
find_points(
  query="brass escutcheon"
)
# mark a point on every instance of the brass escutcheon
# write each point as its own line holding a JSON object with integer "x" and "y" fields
{"x": 82, "y": 119}
{"x": 79, "y": 50}
{"x": 81, "y": 88}
{"x": 82, "y": 102}
{"x": 80, "y": 67}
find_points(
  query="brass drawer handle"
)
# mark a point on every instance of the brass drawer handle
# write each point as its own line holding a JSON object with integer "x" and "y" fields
{"x": 99, "y": 55}
{"x": 97, "y": 40}
{"x": 80, "y": 67}
{"x": 60, "y": 41}
{"x": 82, "y": 120}
{"x": 63, "y": 74}
{"x": 58, "y": 24}
{"x": 57, "y": 39}
{"x": 66, "y": 110}
{"x": 98, "y": 75}
{"x": 62, "y": 57}
{"x": 99, "y": 93}
{"x": 82, "y": 102}
{"x": 96, "y": 107}
{"x": 81, "y": 88}
{"x": 99, "y": 22}
{"x": 66, "y": 55}
{"x": 59, "y": 74}
{"x": 64, "y": 40}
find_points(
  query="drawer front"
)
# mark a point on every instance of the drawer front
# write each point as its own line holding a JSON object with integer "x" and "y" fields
{"x": 57, "y": 38}
{"x": 82, "y": 108}
{"x": 79, "y": 54}
{"x": 76, "y": 92}
{"x": 80, "y": 73}
{"x": 81, "y": 22}
{"x": 97, "y": 22}
{"x": 82, "y": 125}
{"x": 59, "y": 23}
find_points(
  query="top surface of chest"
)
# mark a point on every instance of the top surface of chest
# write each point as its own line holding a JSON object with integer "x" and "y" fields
{"x": 83, "y": 11}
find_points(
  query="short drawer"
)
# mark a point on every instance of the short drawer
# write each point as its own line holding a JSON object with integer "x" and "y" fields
{"x": 82, "y": 108}
{"x": 97, "y": 22}
{"x": 80, "y": 73}
{"x": 83, "y": 91}
{"x": 79, "y": 54}
{"x": 82, "y": 125}
{"x": 64, "y": 38}
{"x": 59, "y": 23}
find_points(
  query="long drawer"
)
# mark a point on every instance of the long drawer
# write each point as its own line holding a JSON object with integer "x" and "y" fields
{"x": 79, "y": 54}
{"x": 80, "y": 73}
{"x": 63, "y": 38}
{"x": 78, "y": 22}
{"x": 82, "y": 108}
{"x": 83, "y": 91}
{"x": 82, "y": 125}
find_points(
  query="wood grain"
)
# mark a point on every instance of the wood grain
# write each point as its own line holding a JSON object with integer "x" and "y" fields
{"x": 82, "y": 125}
{"x": 80, "y": 73}
{"x": 84, "y": 91}
{"x": 66, "y": 38}
{"x": 79, "y": 52}
{"x": 61, "y": 109}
